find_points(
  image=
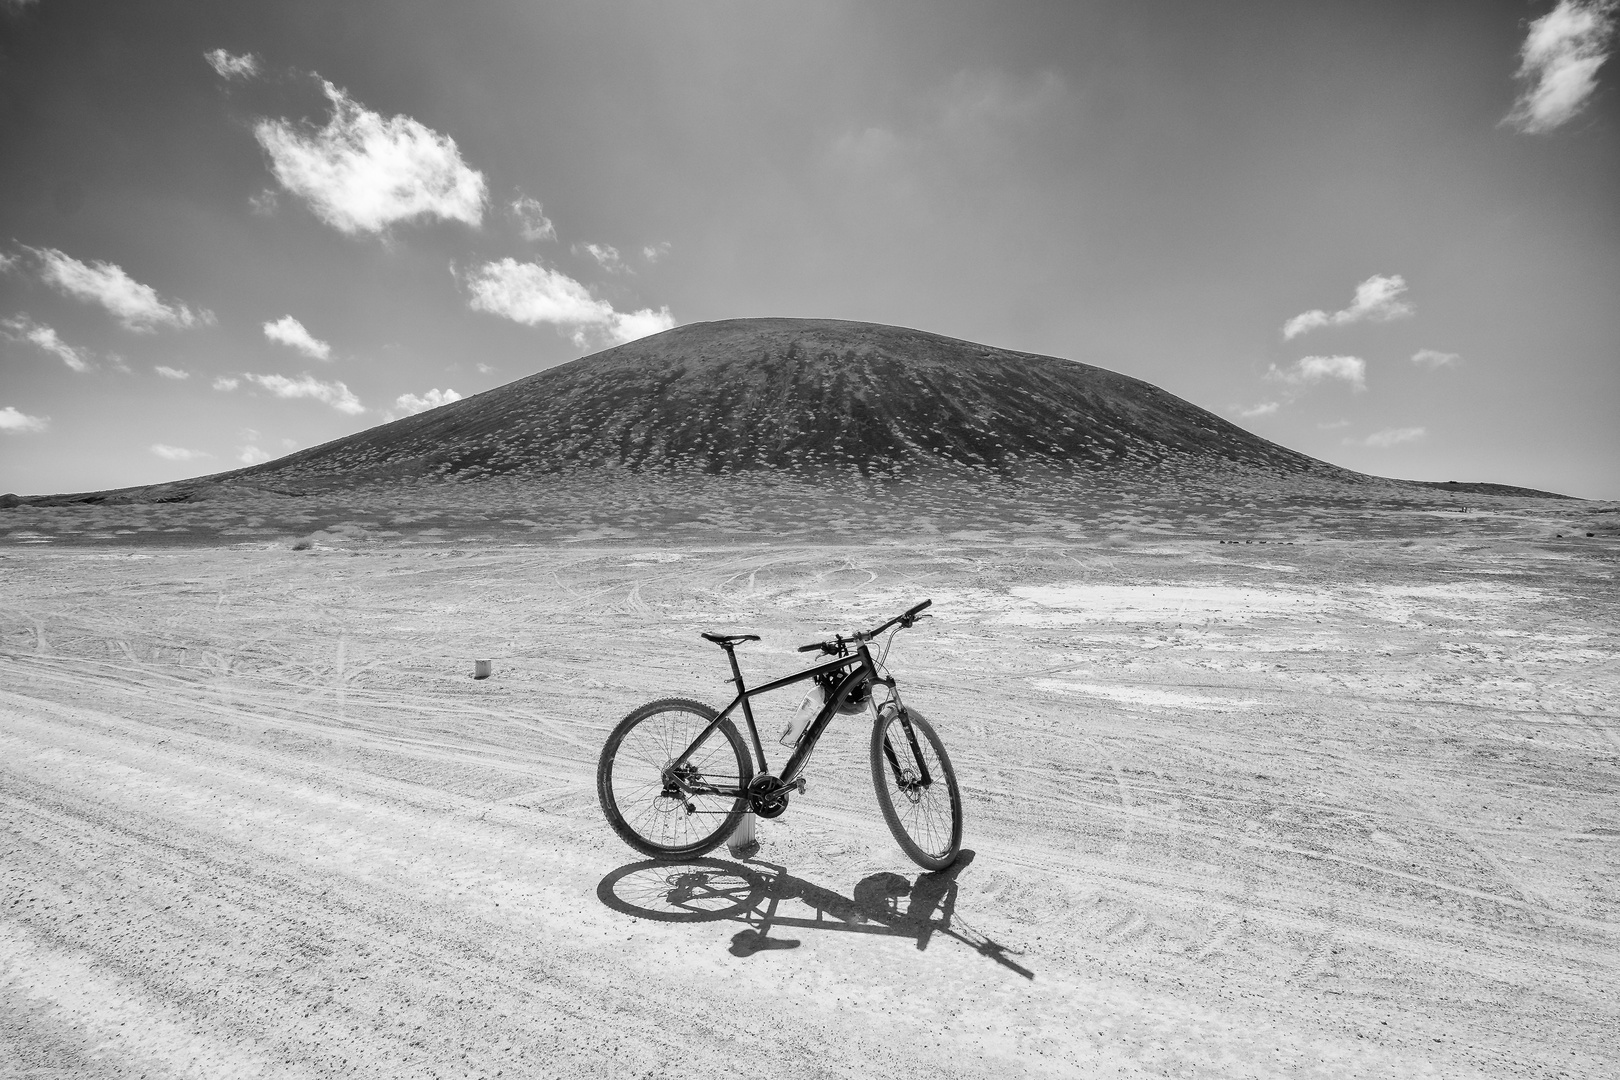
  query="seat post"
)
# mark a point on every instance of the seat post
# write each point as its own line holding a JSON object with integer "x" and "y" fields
{"x": 736, "y": 672}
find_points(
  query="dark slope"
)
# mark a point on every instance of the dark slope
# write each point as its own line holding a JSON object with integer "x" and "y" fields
{"x": 1506, "y": 490}
{"x": 793, "y": 398}
{"x": 799, "y": 397}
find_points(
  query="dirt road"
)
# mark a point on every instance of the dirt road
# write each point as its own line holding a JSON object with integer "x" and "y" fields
{"x": 1325, "y": 808}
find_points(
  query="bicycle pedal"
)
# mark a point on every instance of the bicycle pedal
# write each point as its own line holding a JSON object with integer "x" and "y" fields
{"x": 799, "y": 783}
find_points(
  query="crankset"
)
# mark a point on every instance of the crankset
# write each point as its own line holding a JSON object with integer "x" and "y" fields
{"x": 768, "y": 796}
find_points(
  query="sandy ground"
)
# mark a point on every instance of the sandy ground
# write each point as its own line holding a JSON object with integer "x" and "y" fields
{"x": 1343, "y": 804}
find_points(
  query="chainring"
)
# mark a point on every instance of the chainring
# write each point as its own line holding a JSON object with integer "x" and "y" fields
{"x": 766, "y": 796}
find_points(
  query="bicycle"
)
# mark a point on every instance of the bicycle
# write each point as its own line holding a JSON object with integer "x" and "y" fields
{"x": 675, "y": 778}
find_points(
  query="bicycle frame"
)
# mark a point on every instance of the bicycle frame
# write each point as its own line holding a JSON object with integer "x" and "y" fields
{"x": 862, "y": 669}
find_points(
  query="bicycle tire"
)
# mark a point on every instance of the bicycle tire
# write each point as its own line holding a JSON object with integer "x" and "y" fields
{"x": 926, "y": 820}
{"x": 630, "y": 784}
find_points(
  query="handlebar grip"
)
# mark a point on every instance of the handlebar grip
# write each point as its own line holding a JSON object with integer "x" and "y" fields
{"x": 811, "y": 648}
{"x": 909, "y": 619}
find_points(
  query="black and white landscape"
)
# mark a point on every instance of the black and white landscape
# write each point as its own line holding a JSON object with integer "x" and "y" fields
{"x": 1250, "y": 433}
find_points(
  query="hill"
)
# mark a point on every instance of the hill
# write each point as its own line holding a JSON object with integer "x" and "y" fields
{"x": 795, "y": 399}
{"x": 801, "y": 397}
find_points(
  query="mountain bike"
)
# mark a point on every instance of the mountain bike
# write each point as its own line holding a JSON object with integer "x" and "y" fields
{"x": 675, "y": 777}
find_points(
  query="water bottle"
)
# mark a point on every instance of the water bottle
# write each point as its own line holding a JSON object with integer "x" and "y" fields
{"x": 808, "y": 708}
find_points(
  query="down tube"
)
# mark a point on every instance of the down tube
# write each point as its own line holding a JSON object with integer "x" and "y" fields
{"x": 812, "y": 734}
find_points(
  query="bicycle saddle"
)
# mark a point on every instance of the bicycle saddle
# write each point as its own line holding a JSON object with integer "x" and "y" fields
{"x": 726, "y": 641}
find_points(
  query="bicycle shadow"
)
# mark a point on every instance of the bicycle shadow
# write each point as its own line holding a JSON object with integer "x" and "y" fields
{"x": 712, "y": 890}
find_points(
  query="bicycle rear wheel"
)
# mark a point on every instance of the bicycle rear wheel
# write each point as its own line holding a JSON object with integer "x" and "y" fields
{"x": 647, "y": 804}
{"x": 916, "y": 788}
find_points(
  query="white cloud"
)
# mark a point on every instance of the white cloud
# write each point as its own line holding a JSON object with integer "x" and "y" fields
{"x": 1434, "y": 358}
{"x": 20, "y": 423}
{"x": 1391, "y": 437}
{"x": 226, "y": 383}
{"x": 135, "y": 305}
{"x": 1558, "y": 64}
{"x": 485, "y": 369}
{"x": 362, "y": 172}
{"x": 532, "y": 222}
{"x": 22, "y": 328}
{"x": 251, "y": 455}
{"x": 1265, "y": 408}
{"x": 653, "y": 252}
{"x": 1333, "y": 425}
{"x": 606, "y": 256}
{"x": 118, "y": 364}
{"x": 290, "y": 332}
{"x": 227, "y": 66}
{"x": 531, "y": 294}
{"x": 7, "y": 262}
{"x": 1378, "y": 299}
{"x": 411, "y": 404}
{"x": 628, "y": 326}
{"x": 171, "y": 373}
{"x": 264, "y": 203}
{"x": 1313, "y": 369}
{"x": 335, "y": 394}
{"x": 177, "y": 453}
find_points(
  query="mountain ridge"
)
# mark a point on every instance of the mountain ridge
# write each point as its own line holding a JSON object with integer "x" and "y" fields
{"x": 800, "y": 398}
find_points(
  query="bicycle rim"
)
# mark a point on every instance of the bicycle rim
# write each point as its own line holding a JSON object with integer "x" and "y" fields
{"x": 926, "y": 820}
{"x": 630, "y": 779}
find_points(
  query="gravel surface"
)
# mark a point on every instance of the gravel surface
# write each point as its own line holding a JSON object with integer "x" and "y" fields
{"x": 1341, "y": 805}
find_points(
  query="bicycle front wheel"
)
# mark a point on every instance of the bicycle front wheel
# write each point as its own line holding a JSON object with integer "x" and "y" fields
{"x": 916, "y": 788}
{"x": 650, "y": 802}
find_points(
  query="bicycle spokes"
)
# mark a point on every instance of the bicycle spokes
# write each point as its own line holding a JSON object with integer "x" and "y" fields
{"x": 662, "y": 799}
{"x": 916, "y": 789}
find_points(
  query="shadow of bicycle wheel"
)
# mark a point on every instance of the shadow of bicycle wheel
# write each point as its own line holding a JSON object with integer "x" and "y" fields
{"x": 703, "y": 890}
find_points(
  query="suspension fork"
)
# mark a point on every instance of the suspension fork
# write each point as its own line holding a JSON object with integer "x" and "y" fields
{"x": 923, "y": 777}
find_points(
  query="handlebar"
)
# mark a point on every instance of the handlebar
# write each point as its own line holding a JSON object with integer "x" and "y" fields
{"x": 836, "y": 647}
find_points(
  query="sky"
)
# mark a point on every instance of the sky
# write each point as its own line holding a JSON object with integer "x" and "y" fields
{"x": 1383, "y": 234}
